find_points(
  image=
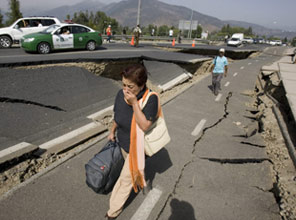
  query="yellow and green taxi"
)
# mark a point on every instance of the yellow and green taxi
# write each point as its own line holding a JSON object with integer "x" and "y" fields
{"x": 62, "y": 36}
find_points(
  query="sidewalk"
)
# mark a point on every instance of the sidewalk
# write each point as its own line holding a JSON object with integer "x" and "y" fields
{"x": 287, "y": 74}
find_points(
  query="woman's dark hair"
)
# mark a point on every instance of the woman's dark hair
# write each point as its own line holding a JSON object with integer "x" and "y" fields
{"x": 136, "y": 73}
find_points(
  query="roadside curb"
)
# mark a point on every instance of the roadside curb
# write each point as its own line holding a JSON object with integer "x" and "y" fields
{"x": 67, "y": 140}
{"x": 16, "y": 151}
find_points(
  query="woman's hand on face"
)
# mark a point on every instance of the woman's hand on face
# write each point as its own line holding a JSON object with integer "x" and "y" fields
{"x": 130, "y": 97}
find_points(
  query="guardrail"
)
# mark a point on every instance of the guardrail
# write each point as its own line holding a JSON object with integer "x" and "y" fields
{"x": 155, "y": 38}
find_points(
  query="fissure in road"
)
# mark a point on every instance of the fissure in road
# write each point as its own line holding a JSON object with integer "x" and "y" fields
{"x": 22, "y": 101}
{"x": 226, "y": 113}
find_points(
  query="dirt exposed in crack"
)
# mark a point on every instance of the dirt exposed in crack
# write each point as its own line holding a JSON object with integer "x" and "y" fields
{"x": 16, "y": 171}
{"x": 284, "y": 175}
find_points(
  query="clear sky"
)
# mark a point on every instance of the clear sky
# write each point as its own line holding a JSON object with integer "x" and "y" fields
{"x": 270, "y": 13}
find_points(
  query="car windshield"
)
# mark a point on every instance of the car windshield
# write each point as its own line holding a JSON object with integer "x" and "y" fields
{"x": 234, "y": 39}
{"x": 50, "y": 29}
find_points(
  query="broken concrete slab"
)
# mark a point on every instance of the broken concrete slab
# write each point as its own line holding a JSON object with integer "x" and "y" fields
{"x": 288, "y": 75}
{"x": 289, "y": 86}
{"x": 156, "y": 74}
{"x": 284, "y": 67}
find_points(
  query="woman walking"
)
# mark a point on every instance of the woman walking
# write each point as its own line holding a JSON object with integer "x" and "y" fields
{"x": 129, "y": 124}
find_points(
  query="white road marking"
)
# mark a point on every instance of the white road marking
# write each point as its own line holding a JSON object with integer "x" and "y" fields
{"x": 227, "y": 84}
{"x": 242, "y": 68}
{"x": 219, "y": 96}
{"x": 235, "y": 74}
{"x": 199, "y": 127}
{"x": 147, "y": 205}
{"x": 249, "y": 63}
{"x": 257, "y": 60}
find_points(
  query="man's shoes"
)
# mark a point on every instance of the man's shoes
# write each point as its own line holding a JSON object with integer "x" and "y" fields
{"x": 216, "y": 93}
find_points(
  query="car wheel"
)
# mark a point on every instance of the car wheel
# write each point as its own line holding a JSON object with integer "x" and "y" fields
{"x": 91, "y": 45}
{"x": 5, "y": 42}
{"x": 43, "y": 48}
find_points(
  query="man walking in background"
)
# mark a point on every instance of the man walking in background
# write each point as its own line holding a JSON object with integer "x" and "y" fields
{"x": 219, "y": 68}
{"x": 137, "y": 33}
{"x": 109, "y": 33}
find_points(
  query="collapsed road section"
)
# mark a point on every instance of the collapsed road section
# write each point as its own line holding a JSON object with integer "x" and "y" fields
{"x": 37, "y": 135}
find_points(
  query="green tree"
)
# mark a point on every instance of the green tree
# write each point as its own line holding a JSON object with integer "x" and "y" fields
{"x": 14, "y": 12}
{"x": 293, "y": 43}
{"x": 198, "y": 31}
{"x": 249, "y": 31}
{"x": 163, "y": 30}
{"x": 98, "y": 21}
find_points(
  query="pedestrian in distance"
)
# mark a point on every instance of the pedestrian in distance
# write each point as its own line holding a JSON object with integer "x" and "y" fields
{"x": 152, "y": 32}
{"x": 219, "y": 68}
{"x": 171, "y": 33}
{"x": 109, "y": 33}
{"x": 179, "y": 37}
{"x": 137, "y": 33}
{"x": 130, "y": 121}
{"x": 123, "y": 34}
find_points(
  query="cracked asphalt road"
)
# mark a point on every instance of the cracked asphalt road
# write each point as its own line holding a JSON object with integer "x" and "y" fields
{"x": 214, "y": 175}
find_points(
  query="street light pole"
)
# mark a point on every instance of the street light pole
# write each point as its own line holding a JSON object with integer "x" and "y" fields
{"x": 190, "y": 31}
{"x": 139, "y": 12}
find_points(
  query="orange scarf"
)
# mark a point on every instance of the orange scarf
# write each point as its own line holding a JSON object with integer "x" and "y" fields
{"x": 137, "y": 154}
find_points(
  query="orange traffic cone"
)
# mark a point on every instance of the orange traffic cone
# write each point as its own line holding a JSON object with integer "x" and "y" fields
{"x": 133, "y": 41}
{"x": 173, "y": 44}
{"x": 193, "y": 43}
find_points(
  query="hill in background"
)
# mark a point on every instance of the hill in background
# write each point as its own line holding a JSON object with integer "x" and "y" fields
{"x": 157, "y": 13}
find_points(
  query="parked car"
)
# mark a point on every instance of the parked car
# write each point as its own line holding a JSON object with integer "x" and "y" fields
{"x": 278, "y": 42}
{"x": 63, "y": 36}
{"x": 248, "y": 40}
{"x": 12, "y": 34}
{"x": 234, "y": 42}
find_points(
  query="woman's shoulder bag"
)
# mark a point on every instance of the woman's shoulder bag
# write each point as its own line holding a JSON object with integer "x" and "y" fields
{"x": 157, "y": 136}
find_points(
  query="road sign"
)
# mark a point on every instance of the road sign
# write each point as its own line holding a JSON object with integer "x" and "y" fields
{"x": 185, "y": 25}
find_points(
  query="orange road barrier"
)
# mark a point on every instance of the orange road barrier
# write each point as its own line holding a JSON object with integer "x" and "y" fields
{"x": 173, "y": 44}
{"x": 193, "y": 43}
{"x": 133, "y": 41}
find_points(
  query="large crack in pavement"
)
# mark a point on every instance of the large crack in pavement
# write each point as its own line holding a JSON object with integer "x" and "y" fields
{"x": 226, "y": 113}
{"x": 27, "y": 102}
{"x": 236, "y": 160}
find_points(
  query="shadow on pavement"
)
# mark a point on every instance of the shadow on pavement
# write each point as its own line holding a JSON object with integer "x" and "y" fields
{"x": 181, "y": 210}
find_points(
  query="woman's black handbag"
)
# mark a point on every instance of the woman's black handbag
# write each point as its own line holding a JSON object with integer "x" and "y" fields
{"x": 103, "y": 170}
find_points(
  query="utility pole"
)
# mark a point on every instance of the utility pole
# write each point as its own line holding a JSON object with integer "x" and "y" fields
{"x": 190, "y": 31}
{"x": 139, "y": 12}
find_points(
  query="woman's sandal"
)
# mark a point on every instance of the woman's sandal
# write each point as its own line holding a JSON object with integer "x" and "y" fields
{"x": 108, "y": 217}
